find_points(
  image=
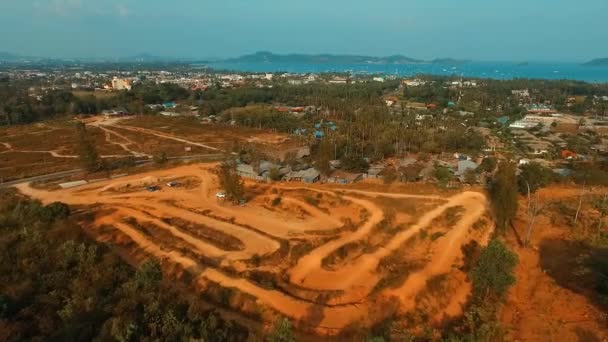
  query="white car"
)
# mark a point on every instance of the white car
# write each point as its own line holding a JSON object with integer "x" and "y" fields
{"x": 220, "y": 195}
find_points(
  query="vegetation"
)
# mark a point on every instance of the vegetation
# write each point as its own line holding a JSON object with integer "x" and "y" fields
{"x": 88, "y": 153}
{"x": 231, "y": 182}
{"x": 503, "y": 194}
{"x": 493, "y": 274}
{"x": 160, "y": 158}
{"x": 533, "y": 176}
{"x": 282, "y": 331}
{"x": 57, "y": 285}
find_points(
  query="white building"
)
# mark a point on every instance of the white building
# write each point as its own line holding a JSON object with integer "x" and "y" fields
{"x": 121, "y": 84}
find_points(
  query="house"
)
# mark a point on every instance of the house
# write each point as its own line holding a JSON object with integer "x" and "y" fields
{"x": 539, "y": 147}
{"x": 375, "y": 170}
{"x": 246, "y": 170}
{"x": 464, "y": 166}
{"x": 310, "y": 175}
{"x": 343, "y": 177}
{"x": 567, "y": 154}
{"x": 503, "y": 120}
{"x": 407, "y": 162}
{"x": 521, "y": 93}
{"x": 121, "y": 84}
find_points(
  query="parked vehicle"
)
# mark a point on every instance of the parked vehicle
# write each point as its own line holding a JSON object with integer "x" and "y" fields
{"x": 153, "y": 188}
{"x": 220, "y": 195}
{"x": 173, "y": 184}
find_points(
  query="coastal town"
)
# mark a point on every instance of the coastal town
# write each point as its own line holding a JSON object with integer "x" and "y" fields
{"x": 317, "y": 206}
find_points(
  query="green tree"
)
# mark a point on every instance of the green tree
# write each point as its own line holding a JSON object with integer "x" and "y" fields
{"x": 503, "y": 194}
{"x": 493, "y": 274}
{"x": 282, "y": 331}
{"x": 488, "y": 164}
{"x": 274, "y": 174}
{"x": 160, "y": 158}
{"x": 470, "y": 176}
{"x": 442, "y": 174}
{"x": 535, "y": 176}
{"x": 88, "y": 153}
{"x": 231, "y": 182}
{"x": 149, "y": 275}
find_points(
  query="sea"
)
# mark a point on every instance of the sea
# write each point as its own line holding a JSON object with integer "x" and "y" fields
{"x": 493, "y": 70}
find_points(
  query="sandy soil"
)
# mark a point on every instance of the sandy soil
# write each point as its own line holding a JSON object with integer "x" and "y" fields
{"x": 267, "y": 234}
{"x": 539, "y": 308}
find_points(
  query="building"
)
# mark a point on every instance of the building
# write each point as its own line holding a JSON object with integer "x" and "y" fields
{"x": 342, "y": 177}
{"x": 521, "y": 93}
{"x": 310, "y": 175}
{"x": 121, "y": 84}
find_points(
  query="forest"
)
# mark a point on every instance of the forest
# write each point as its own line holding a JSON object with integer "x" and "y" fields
{"x": 57, "y": 284}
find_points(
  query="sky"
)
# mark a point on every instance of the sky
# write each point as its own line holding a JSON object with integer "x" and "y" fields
{"x": 492, "y": 30}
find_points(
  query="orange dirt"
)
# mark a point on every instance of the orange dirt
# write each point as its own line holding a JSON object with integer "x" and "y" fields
{"x": 267, "y": 234}
{"x": 538, "y": 307}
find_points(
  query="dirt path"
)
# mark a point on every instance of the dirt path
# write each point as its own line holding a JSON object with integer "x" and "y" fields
{"x": 56, "y": 154}
{"x": 448, "y": 249}
{"x": 123, "y": 145}
{"x": 361, "y": 273}
{"x": 255, "y": 227}
{"x": 167, "y": 136}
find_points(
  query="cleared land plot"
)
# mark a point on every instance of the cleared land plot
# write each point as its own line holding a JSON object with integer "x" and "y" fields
{"x": 325, "y": 257}
{"x": 220, "y": 136}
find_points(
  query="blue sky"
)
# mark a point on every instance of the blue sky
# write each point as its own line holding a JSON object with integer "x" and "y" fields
{"x": 496, "y": 30}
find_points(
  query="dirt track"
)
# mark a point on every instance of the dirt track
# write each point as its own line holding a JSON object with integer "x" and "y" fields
{"x": 263, "y": 232}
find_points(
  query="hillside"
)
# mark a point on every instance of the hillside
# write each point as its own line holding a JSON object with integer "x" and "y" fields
{"x": 597, "y": 62}
{"x": 269, "y": 57}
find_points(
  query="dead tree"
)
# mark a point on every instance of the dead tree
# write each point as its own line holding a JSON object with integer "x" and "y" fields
{"x": 580, "y": 203}
{"x": 534, "y": 208}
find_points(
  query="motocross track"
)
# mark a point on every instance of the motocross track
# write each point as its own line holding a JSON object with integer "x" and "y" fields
{"x": 346, "y": 295}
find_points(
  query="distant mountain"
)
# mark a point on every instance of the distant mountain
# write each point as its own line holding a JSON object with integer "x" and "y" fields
{"x": 269, "y": 57}
{"x": 449, "y": 61}
{"x": 597, "y": 62}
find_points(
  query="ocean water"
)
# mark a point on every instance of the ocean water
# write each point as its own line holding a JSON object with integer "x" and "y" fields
{"x": 501, "y": 71}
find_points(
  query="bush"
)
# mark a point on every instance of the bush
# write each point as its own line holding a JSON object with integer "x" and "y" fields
{"x": 493, "y": 274}
{"x": 276, "y": 201}
{"x": 160, "y": 158}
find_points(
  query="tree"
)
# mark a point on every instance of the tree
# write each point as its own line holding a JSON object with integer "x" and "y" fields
{"x": 503, "y": 194}
{"x": 488, "y": 164}
{"x": 274, "y": 174}
{"x": 88, "y": 153}
{"x": 470, "y": 176}
{"x": 533, "y": 176}
{"x": 149, "y": 275}
{"x": 493, "y": 274}
{"x": 231, "y": 182}
{"x": 282, "y": 331}
{"x": 160, "y": 158}
{"x": 442, "y": 174}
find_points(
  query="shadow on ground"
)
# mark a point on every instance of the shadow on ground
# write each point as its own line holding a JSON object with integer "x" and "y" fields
{"x": 578, "y": 267}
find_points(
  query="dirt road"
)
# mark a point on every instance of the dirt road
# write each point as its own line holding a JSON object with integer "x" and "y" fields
{"x": 262, "y": 231}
